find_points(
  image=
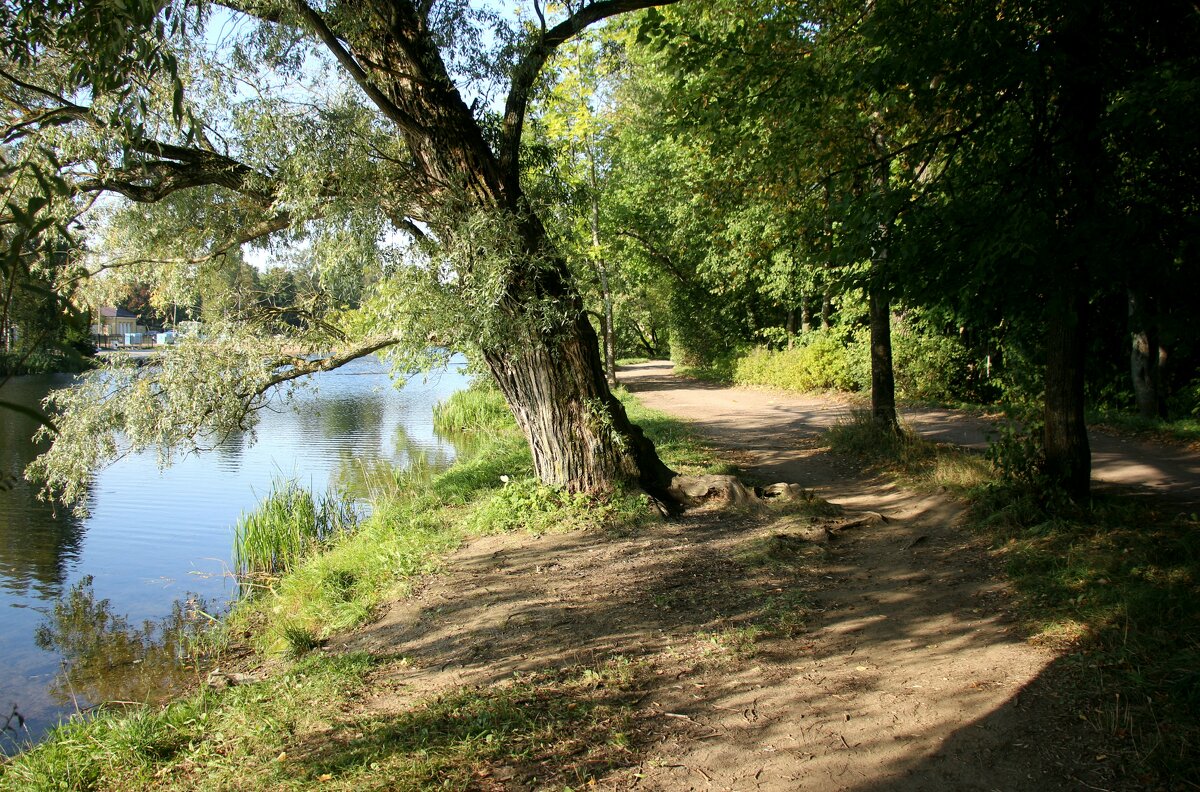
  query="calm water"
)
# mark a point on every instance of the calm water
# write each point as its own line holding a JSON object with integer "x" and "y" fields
{"x": 159, "y": 543}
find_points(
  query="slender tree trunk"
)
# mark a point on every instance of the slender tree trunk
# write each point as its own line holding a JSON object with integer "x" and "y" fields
{"x": 1144, "y": 357}
{"x": 883, "y": 377}
{"x": 806, "y": 313}
{"x": 1068, "y": 455}
{"x": 610, "y": 343}
{"x": 791, "y": 327}
{"x": 610, "y": 339}
{"x": 883, "y": 382}
{"x": 826, "y": 310}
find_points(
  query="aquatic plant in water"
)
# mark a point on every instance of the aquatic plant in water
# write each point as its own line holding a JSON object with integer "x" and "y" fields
{"x": 288, "y": 525}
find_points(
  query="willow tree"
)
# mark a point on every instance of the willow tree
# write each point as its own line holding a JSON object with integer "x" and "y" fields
{"x": 338, "y": 127}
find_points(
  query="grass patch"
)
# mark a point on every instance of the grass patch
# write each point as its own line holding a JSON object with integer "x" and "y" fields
{"x": 220, "y": 741}
{"x": 288, "y": 524}
{"x": 1179, "y": 430}
{"x": 912, "y": 459}
{"x": 479, "y": 408}
{"x": 295, "y": 731}
{"x": 1118, "y": 584}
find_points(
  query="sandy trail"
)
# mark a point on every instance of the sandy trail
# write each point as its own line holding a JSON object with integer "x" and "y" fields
{"x": 907, "y": 674}
{"x": 767, "y": 422}
{"x": 915, "y": 678}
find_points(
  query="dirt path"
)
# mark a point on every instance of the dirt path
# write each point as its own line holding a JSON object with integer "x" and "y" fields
{"x": 881, "y": 658}
{"x": 1129, "y": 464}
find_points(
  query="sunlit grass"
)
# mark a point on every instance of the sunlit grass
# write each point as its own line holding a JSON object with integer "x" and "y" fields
{"x": 914, "y": 460}
{"x": 294, "y": 732}
{"x": 287, "y": 525}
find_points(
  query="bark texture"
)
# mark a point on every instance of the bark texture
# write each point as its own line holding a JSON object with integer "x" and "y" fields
{"x": 883, "y": 380}
{"x": 579, "y": 434}
{"x": 1068, "y": 459}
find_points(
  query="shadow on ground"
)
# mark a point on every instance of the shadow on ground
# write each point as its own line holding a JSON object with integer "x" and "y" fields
{"x": 883, "y": 658}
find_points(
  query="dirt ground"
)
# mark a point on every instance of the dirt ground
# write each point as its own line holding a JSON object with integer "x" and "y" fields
{"x": 785, "y": 652}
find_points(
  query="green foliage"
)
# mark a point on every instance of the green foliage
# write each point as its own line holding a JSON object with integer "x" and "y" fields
{"x": 928, "y": 366}
{"x": 527, "y": 504}
{"x": 820, "y": 361}
{"x": 1016, "y": 448}
{"x": 289, "y": 524}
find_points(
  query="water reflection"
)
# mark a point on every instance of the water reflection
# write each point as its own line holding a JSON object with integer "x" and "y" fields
{"x": 107, "y": 659}
{"x": 36, "y": 544}
{"x": 152, "y": 536}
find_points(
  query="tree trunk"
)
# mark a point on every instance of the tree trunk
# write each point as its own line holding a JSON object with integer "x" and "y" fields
{"x": 826, "y": 311}
{"x": 883, "y": 381}
{"x": 578, "y": 432}
{"x": 610, "y": 343}
{"x": 1145, "y": 356}
{"x": 1068, "y": 460}
{"x": 791, "y": 327}
{"x": 806, "y": 313}
{"x": 1074, "y": 55}
{"x": 548, "y": 363}
{"x": 610, "y": 339}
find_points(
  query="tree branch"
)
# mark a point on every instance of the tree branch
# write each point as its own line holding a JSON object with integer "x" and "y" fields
{"x": 389, "y": 108}
{"x": 256, "y": 231}
{"x": 531, "y": 64}
{"x": 302, "y": 368}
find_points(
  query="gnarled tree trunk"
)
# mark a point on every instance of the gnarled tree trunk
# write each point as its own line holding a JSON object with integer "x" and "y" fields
{"x": 578, "y": 432}
{"x": 548, "y": 367}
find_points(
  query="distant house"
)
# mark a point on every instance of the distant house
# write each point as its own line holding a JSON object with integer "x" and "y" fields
{"x": 114, "y": 325}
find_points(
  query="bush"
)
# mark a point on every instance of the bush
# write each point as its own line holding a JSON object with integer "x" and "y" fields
{"x": 928, "y": 367}
{"x": 822, "y": 361}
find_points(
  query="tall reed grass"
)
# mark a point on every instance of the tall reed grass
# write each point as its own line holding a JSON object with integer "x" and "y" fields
{"x": 479, "y": 408}
{"x": 289, "y": 524}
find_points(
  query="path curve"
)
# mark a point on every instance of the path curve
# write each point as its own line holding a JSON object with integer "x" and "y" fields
{"x": 1127, "y": 464}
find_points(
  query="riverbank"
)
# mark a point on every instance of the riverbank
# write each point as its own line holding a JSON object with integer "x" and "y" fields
{"x": 857, "y": 639}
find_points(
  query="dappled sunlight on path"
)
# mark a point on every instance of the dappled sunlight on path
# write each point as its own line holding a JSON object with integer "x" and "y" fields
{"x": 913, "y": 676}
{"x": 872, "y": 654}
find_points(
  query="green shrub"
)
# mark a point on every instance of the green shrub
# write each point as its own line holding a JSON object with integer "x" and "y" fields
{"x": 821, "y": 361}
{"x": 928, "y": 367}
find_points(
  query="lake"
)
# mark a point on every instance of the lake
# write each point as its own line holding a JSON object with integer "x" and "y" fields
{"x": 88, "y": 594}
